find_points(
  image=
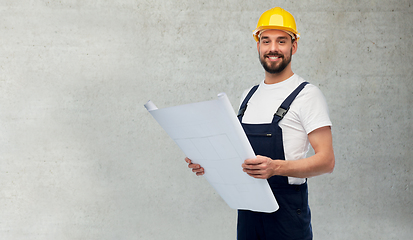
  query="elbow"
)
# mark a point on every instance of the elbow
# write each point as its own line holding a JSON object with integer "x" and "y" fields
{"x": 331, "y": 164}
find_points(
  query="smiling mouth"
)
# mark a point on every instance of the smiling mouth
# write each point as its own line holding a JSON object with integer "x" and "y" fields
{"x": 273, "y": 58}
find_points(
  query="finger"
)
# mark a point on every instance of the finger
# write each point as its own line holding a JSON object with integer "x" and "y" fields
{"x": 251, "y": 166}
{"x": 254, "y": 161}
{"x": 256, "y": 174}
{"x": 193, "y": 165}
{"x": 250, "y": 161}
{"x": 188, "y": 160}
{"x": 252, "y": 171}
{"x": 198, "y": 170}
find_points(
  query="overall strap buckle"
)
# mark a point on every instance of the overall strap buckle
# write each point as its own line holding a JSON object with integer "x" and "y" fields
{"x": 281, "y": 112}
{"x": 245, "y": 102}
{"x": 241, "y": 111}
{"x": 285, "y": 106}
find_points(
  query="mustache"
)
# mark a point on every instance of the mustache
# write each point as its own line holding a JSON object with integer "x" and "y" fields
{"x": 276, "y": 54}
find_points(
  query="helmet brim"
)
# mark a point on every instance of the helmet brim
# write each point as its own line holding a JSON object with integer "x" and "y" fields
{"x": 260, "y": 29}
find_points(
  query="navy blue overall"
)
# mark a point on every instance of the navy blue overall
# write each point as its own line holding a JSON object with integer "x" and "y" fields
{"x": 292, "y": 220}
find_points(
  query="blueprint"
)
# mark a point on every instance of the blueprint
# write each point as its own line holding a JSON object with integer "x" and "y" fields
{"x": 210, "y": 134}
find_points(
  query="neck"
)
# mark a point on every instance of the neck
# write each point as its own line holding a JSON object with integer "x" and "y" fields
{"x": 272, "y": 78}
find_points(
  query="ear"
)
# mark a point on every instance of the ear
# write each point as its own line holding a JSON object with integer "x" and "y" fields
{"x": 295, "y": 46}
{"x": 258, "y": 46}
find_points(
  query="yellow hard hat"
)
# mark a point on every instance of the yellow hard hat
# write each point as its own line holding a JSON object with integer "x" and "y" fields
{"x": 276, "y": 18}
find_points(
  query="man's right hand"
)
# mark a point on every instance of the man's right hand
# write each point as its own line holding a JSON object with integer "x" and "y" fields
{"x": 196, "y": 168}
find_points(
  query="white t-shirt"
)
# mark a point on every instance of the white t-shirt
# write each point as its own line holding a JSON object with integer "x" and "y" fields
{"x": 307, "y": 113}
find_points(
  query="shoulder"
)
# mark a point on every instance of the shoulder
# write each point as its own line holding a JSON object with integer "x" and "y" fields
{"x": 245, "y": 93}
{"x": 310, "y": 91}
{"x": 312, "y": 108}
{"x": 311, "y": 96}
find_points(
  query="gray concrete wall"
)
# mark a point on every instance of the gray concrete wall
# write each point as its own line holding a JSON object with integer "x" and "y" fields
{"x": 80, "y": 158}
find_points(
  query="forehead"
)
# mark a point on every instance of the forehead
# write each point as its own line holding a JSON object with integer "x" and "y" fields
{"x": 273, "y": 33}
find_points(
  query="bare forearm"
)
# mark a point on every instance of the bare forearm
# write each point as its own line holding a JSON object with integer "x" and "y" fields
{"x": 305, "y": 168}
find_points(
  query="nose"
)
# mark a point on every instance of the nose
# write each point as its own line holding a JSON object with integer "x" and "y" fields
{"x": 274, "y": 47}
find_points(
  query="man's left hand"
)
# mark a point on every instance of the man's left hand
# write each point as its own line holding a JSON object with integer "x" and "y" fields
{"x": 260, "y": 167}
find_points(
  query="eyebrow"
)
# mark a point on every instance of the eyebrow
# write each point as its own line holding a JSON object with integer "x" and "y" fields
{"x": 278, "y": 38}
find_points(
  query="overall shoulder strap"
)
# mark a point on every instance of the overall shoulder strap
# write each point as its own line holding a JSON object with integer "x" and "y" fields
{"x": 285, "y": 106}
{"x": 244, "y": 104}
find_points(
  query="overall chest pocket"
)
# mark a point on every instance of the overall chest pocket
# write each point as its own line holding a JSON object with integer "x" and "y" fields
{"x": 260, "y": 134}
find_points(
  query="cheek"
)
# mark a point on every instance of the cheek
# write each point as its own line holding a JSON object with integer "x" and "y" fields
{"x": 287, "y": 52}
{"x": 260, "y": 53}
{"x": 263, "y": 50}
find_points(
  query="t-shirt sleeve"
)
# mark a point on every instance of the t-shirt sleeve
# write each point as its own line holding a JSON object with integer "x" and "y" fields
{"x": 314, "y": 112}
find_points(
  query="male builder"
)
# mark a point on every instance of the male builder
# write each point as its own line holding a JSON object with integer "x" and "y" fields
{"x": 281, "y": 117}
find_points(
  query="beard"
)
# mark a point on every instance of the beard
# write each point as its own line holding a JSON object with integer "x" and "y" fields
{"x": 275, "y": 67}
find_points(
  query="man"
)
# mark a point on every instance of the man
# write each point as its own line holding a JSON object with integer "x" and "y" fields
{"x": 281, "y": 117}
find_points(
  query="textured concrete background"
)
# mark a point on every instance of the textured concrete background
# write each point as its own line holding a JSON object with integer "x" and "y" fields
{"x": 80, "y": 158}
